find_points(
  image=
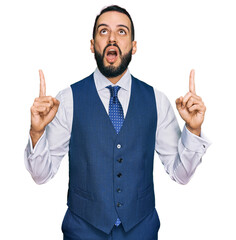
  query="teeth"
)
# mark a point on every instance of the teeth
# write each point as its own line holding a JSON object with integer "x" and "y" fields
{"x": 112, "y": 50}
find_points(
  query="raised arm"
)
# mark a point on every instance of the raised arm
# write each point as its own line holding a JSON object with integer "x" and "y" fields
{"x": 181, "y": 153}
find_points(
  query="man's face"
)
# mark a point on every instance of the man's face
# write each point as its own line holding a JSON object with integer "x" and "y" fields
{"x": 113, "y": 45}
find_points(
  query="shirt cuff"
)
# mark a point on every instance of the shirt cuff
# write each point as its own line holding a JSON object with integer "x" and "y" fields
{"x": 39, "y": 147}
{"x": 193, "y": 142}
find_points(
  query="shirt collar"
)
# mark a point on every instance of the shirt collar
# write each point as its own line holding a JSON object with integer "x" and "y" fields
{"x": 102, "y": 82}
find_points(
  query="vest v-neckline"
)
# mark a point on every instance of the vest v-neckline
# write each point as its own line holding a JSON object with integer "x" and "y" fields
{"x": 104, "y": 109}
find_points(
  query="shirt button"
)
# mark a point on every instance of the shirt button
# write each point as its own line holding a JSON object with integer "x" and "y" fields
{"x": 118, "y": 146}
{"x": 119, "y": 175}
{"x": 119, "y": 204}
{"x": 120, "y": 160}
{"x": 118, "y": 190}
{"x": 204, "y": 146}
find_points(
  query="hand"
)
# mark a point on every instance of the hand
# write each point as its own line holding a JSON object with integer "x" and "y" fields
{"x": 191, "y": 107}
{"x": 43, "y": 111}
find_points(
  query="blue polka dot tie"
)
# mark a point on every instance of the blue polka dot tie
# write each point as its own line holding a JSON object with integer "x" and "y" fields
{"x": 115, "y": 109}
{"x": 116, "y": 115}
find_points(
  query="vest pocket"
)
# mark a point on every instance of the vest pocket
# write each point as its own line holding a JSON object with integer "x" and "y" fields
{"x": 82, "y": 193}
{"x": 145, "y": 192}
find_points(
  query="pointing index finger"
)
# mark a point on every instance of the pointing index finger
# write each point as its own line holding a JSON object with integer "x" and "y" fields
{"x": 192, "y": 82}
{"x": 42, "y": 90}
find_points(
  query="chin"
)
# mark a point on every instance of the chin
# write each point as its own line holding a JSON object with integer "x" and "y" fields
{"x": 114, "y": 64}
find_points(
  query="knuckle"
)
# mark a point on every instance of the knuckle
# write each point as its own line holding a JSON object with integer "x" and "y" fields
{"x": 190, "y": 101}
{"x": 43, "y": 109}
{"x": 56, "y": 102}
{"x": 48, "y": 105}
{"x": 51, "y": 103}
{"x": 35, "y": 104}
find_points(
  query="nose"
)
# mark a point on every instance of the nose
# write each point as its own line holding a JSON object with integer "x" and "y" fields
{"x": 112, "y": 37}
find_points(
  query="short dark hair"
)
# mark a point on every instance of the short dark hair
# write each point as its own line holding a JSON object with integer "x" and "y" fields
{"x": 116, "y": 9}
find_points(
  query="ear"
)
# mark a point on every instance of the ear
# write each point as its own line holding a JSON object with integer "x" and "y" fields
{"x": 134, "y": 44}
{"x": 92, "y": 45}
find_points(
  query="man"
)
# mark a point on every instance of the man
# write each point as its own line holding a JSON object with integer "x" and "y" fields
{"x": 111, "y": 123}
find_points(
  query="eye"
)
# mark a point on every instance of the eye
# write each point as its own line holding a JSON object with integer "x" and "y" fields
{"x": 122, "y": 32}
{"x": 103, "y": 31}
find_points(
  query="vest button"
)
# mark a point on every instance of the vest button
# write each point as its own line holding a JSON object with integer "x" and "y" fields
{"x": 118, "y": 146}
{"x": 119, "y": 204}
{"x": 120, "y": 160}
{"x": 119, "y": 175}
{"x": 118, "y": 190}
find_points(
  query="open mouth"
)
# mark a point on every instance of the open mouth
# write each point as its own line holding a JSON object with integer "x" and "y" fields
{"x": 111, "y": 54}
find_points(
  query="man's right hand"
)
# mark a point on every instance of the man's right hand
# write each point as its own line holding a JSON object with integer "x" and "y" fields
{"x": 43, "y": 111}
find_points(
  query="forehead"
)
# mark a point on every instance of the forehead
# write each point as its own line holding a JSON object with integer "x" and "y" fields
{"x": 114, "y": 19}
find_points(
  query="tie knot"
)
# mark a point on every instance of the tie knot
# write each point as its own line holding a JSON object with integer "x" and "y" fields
{"x": 113, "y": 90}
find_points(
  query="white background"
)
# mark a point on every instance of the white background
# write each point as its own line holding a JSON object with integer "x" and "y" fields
{"x": 173, "y": 37}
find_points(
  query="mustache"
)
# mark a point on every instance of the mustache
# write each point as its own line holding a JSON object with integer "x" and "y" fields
{"x": 109, "y": 45}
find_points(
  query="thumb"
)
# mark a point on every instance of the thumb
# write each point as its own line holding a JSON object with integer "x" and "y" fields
{"x": 178, "y": 102}
{"x": 52, "y": 113}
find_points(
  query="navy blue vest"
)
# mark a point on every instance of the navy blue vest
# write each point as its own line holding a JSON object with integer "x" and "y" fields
{"x": 111, "y": 175}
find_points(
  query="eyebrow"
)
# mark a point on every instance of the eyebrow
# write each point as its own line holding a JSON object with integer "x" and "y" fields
{"x": 120, "y": 25}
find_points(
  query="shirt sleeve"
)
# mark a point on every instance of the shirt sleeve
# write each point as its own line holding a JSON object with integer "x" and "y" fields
{"x": 44, "y": 159}
{"x": 180, "y": 153}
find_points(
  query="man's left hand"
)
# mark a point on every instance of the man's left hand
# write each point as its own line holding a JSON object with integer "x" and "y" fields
{"x": 191, "y": 107}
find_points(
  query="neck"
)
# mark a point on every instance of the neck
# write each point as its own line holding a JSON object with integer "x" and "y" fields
{"x": 116, "y": 79}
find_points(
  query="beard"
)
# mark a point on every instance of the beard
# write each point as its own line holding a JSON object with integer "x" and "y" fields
{"x": 112, "y": 71}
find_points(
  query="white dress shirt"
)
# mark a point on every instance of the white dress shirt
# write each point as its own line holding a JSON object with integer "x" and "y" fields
{"x": 180, "y": 153}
